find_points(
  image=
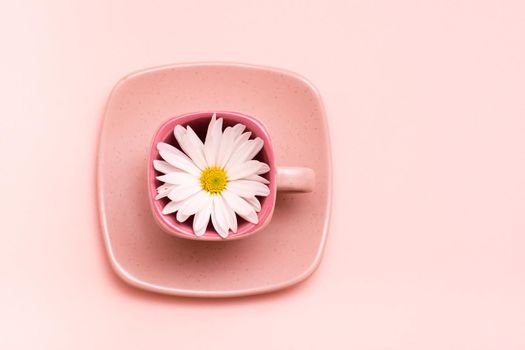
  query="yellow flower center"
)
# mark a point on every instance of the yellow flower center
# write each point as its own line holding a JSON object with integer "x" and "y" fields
{"x": 213, "y": 179}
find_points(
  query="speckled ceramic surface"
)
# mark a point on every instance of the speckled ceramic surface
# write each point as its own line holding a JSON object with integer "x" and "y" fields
{"x": 285, "y": 252}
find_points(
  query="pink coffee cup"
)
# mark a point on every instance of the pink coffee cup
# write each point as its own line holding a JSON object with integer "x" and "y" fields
{"x": 282, "y": 179}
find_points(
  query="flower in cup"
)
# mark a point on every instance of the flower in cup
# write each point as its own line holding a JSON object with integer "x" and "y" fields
{"x": 218, "y": 178}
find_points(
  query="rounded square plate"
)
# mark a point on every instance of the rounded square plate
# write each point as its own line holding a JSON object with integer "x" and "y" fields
{"x": 287, "y": 251}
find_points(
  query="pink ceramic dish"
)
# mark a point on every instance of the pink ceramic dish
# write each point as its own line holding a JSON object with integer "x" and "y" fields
{"x": 285, "y": 252}
{"x": 199, "y": 121}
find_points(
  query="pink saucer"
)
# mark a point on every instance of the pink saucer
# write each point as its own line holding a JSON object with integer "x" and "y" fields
{"x": 285, "y": 252}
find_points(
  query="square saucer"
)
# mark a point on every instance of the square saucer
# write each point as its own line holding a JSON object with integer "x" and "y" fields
{"x": 285, "y": 252}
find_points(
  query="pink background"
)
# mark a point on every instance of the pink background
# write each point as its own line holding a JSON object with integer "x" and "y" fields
{"x": 427, "y": 116}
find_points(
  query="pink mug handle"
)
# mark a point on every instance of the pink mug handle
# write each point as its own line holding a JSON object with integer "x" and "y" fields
{"x": 295, "y": 179}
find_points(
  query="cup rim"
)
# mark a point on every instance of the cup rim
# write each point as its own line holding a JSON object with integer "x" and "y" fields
{"x": 168, "y": 223}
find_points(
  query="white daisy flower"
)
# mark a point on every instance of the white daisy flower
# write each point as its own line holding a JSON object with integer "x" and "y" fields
{"x": 217, "y": 178}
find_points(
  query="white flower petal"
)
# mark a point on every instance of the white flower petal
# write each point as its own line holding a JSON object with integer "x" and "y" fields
{"x": 238, "y": 129}
{"x": 246, "y": 151}
{"x": 231, "y": 219}
{"x": 179, "y": 132}
{"x": 257, "y": 178}
{"x": 178, "y": 178}
{"x": 218, "y": 126}
{"x": 182, "y": 192}
{"x": 202, "y": 217}
{"x": 163, "y": 187}
{"x": 263, "y": 169}
{"x": 161, "y": 195}
{"x": 242, "y": 170}
{"x": 238, "y": 142}
{"x": 172, "y": 207}
{"x": 209, "y": 132}
{"x": 218, "y": 219}
{"x": 192, "y": 205}
{"x": 163, "y": 166}
{"x": 241, "y": 139}
{"x": 247, "y": 188}
{"x": 181, "y": 217}
{"x": 191, "y": 146}
{"x": 259, "y": 143}
{"x": 177, "y": 158}
{"x": 194, "y": 139}
{"x": 167, "y": 148}
{"x": 226, "y": 147}
{"x": 213, "y": 140}
{"x": 254, "y": 202}
{"x": 164, "y": 190}
{"x": 197, "y": 143}
{"x": 239, "y": 205}
{"x": 251, "y": 217}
